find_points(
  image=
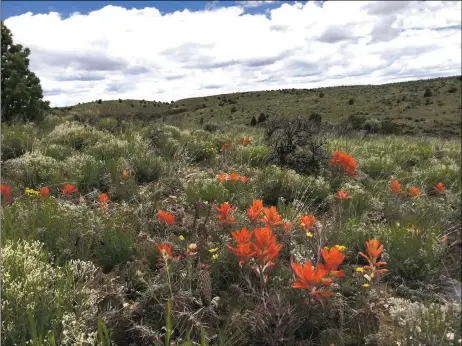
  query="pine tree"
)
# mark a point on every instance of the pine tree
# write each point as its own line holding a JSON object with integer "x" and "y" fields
{"x": 21, "y": 91}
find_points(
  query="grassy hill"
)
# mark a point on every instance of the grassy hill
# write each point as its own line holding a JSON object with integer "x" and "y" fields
{"x": 402, "y": 103}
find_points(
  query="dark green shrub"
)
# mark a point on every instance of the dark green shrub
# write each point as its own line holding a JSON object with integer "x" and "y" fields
{"x": 315, "y": 117}
{"x": 321, "y": 95}
{"x": 211, "y": 127}
{"x": 253, "y": 122}
{"x": 296, "y": 144}
{"x": 355, "y": 121}
{"x": 428, "y": 92}
{"x": 452, "y": 90}
{"x": 389, "y": 127}
{"x": 261, "y": 117}
{"x": 233, "y": 109}
{"x": 100, "y": 101}
{"x": 351, "y": 101}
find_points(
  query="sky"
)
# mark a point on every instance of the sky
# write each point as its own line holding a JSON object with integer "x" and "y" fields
{"x": 169, "y": 50}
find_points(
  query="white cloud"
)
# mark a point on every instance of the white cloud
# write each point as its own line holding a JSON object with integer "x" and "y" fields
{"x": 254, "y": 3}
{"x": 118, "y": 53}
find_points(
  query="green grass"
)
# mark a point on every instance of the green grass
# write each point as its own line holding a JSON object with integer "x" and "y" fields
{"x": 401, "y": 103}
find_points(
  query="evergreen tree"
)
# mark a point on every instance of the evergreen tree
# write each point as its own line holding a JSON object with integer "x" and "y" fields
{"x": 21, "y": 91}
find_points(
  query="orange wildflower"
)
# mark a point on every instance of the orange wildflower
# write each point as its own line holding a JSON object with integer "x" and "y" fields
{"x": 287, "y": 226}
{"x": 343, "y": 195}
{"x": 439, "y": 187}
{"x": 241, "y": 236}
{"x": 265, "y": 245}
{"x": 44, "y": 192}
{"x": 68, "y": 189}
{"x": 373, "y": 252}
{"x": 311, "y": 279}
{"x": 414, "y": 191}
{"x": 307, "y": 222}
{"x": 255, "y": 210}
{"x": 168, "y": 218}
{"x": 413, "y": 229}
{"x": 244, "y": 141}
{"x": 333, "y": 258}
{"x": 125, "y": 174}
{"x": 395, "y": 186}
{"x": 243, "y": 179}
{"x": 234, "y": 176}
{"x": 222, "y": 177}
{"x": 271, "y": 217}
{"x": 6, "y": 192}
{"x": 165, "y": 251}
{"x": 224, "y": 147}
{"x": 344, "y": 161}
{"x": 103, "y": 199}
{"x": 224, "y": 211}
{"x": 243, "y": 251}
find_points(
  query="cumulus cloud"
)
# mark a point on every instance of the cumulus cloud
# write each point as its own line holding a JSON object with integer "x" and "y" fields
{"x": 144, "y": 54}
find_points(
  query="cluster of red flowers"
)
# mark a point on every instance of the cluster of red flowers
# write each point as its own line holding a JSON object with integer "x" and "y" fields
{"x": 341, "y": 194}
{"x": 265, "y": 247}
{"x": 234, "y": 177}
{"x": 414, "y": 191}
{"x": 103, "y": 200}
{"x": 314, "y": 278}
{"x": 257, "y": 213}
{"x": 68, "y": 189}
{"x": 224, "y": 214}
{"x": 344, "y": 161}
{"x": 6, "y": 192}
{"x": 165, "y": 217}
{"x": 44, "y": 192}
{"x": 244, "y": 141}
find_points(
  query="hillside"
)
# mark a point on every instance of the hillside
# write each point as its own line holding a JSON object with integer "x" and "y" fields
{"x": 401, "y": 103}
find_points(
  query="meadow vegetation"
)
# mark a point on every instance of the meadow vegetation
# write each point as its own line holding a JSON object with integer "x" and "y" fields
{"x": 148, "y": 234}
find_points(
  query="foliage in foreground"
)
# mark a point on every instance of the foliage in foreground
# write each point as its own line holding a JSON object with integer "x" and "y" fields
{"x": 155, "y": 235}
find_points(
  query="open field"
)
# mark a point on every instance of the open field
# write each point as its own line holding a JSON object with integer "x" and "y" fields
{"x": 138, "y": 249}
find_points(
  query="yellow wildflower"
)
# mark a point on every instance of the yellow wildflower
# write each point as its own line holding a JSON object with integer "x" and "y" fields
{"x": 181, "y": 237}
{"x": 365, "y": 285}
{"x": 213, "y": 250}
{"x": 309, "y": 234}
{"x": 340, "y": 248}
{"x": 360, "y": 269}
{"x": 215, "y": 256}
{"x": 32, "y": 192}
